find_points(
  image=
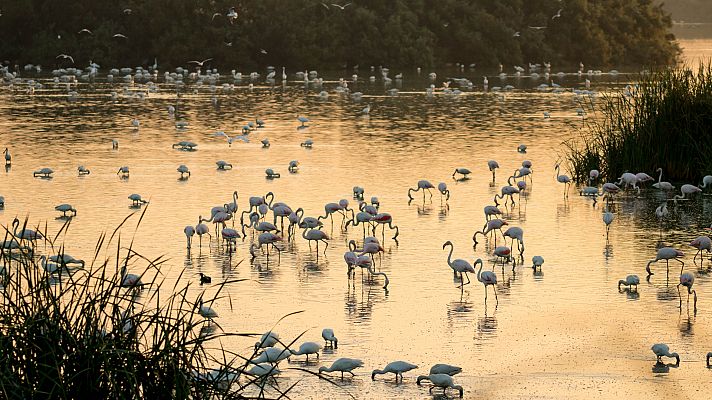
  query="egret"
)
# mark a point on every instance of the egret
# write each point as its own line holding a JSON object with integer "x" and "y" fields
{"x": 206, "y": 312}
{"x": 396, "y": 367}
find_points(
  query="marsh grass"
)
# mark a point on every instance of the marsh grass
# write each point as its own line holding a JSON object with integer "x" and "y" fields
{"x": 664, "y": 121}
{"x": 79, "y": 334}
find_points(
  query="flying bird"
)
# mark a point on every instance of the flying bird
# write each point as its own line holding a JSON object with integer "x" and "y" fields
{"x": 263, "y": 51}
{"x": 66, "y": 56}
{"x": 537, "y": 27}
{"x": 325, "y": 6}
{"x": 517, "y": 34}
{"x": 200, "y": 62}
{"x": 119, "y": 35}
{"x": 127, "y": 11}
{"x": 85, "y": 30}
{"x": 340, "y": 6}
{"x": 215, "y": 15}
{"x": 558, "y": 14}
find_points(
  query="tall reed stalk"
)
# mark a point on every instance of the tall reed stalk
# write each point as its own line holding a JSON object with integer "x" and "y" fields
{"x": 665, "y": 121}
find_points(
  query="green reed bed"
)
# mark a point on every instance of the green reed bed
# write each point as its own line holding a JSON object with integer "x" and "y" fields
{"x": 79, "y": 334}
{"x": 665, "y": 121}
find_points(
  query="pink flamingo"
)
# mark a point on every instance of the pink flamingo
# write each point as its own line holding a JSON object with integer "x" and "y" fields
{"x": 687, "y": 280}
{"x": 422, "y": 185}
{"x": 491, "y": 225}
{"x": 667, "y": 254}
{"x": 487, "y": 278}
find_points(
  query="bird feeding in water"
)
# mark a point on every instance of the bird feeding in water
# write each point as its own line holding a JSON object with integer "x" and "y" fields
{"x": 687, "y": 280}
{"x": 662, "y": 350}
{"x": 343, "y": 365}
{"x": 462, "y": 171}
{"x": 667, "y": 254}
{"x": 396, "y": 367}
{"x": 65, "y": 208}
{"x": 630, "y": 281}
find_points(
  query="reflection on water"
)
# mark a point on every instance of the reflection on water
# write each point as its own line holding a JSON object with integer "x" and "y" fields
{"x": 555, "y": 320}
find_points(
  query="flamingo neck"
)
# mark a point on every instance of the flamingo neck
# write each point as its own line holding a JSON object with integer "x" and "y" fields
{"x": 449, "y": 256}
{"x": 479, "y": 271}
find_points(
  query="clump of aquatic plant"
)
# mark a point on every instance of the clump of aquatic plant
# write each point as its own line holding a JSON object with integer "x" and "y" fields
{"x": 662, "y": 122}
{"x": 80, "y": 333}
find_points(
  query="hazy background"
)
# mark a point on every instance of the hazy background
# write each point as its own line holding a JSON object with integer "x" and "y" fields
{"x": 692, "y": 19}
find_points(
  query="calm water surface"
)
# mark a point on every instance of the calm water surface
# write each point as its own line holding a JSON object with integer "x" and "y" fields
{"x": 564, "y": 333}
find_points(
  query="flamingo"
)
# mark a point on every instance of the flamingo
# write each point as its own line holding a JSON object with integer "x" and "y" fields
{"x": 563, "y": 179}
{"x": 706, "y": 181}
{"x": 487, "y": 278}
{"x": 222, "y": 165}
{"x": 462, "y": 171}
{"x": 206, "y": 312}
{"x": 608, "y": 219}
{"x": 329, "y": 338}
{"x": 362, "y": 218}
{"x": 202, "y": 229}
{"x": 269, "y": 172}
{"x": 8, "y": 157}
{"x": 610, "y": 189}
{"x": 293, "y": 166}
{"x": 440, "y": 369}
{"x": 492, "y": 165}
{"x": 343, "y": 365}
{"x": 491, "y": 211}
{"x": 667, "y": 186}
{"x": 130, "y": 280}
{"x": 422, "y": 185}
{"x": 317, "y": 236}
{"x": 384, "y": 219}
{"x": 255, "y": 223}
{"x": 396, "y": 367}
{"x": 667, "y": 254}
{"x": 629, "y": 180}
{"x": 686, "y": 190}
{"x": 124, "y": 171}
{"x": 662, "y": 350}
{"x": 504, "y": 253}
{"x": 82, "y": 170}
{"x": 458, "y": 265}
{"x": 661, "y": 212}
{"x": 642, "y": 177}
{"x": 687, "y": 280}
{"x": 491, "y": 225}
{"x": 230, "y": 236}
{"x": 306, "y": 349}
{"x": 189, "y": 232}
{"x": 443, "y": 381}
{"x": 266, "y": 238}
{"x": 358, "y": 192}
{"x": 350, "y": 258}
{"x": 516, "y": 233}
{"x": 630, "y": 281}
{"x": 593, "y": 175}
{"x": 369, "y": 247}
{"x": 537, "y": 261}
{"x": 508, "y": 190}
{"x": 442, "y": 188}
{"x": 701, "y": 243}
{"x": 25, "y": 234}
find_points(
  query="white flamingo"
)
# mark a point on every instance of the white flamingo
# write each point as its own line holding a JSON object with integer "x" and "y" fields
{"x": 458, "y": 265}
{"x": 687, "y": 280}
{"x": 422, "y": 185}
{"x": 630, "y": 281}
{"x": 667, "y": 186}
{"x": 662, "y": 350}
{"x": 686, "y": 190}
{"x": 487, "y": 278}
{"x": 701, "y": 243}
{"x": 563, "y": 179}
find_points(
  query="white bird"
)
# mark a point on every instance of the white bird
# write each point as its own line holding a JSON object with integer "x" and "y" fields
{"x": 492, "y": 165}
{"x": 667, "y": 254}
{"x": 85, "y": 30}
{"x": 443, "y": 381}
{"x": 199, "y": 63}
{"x": 563, "y": 179}
{"x": 343, "y": 365}
{"x": 136, "y": 199}
{"x": 340, "y": 6}
{"x": 608, "y": 219}
{"x": 68, "y": 57}
{"x": 65, "y": 208}
{"x": 268, "y": 339}
{"x": 272, "y": 355}
{"x": 130, "y": 280}
{"x": 119, "y": 35}
{"x": 662, "y": 185}
{"x": 263, "y": 370}
{"x": 329, "y": 338}
{"x": 686, "y": 190}
{"x": 662, "y": 350}
{"x": 308, "y": 348}
{"x": 206, "y": 311}
{"x": 396, "y": 367}
{"x": 706, "y": 181}
{"x": 630, "y": 281}
{"x": 440, "y": 369}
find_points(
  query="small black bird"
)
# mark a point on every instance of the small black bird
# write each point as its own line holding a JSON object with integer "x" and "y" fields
{"x": 204, "y": 278}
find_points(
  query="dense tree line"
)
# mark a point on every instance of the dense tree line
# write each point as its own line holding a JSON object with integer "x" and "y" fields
{"x": 309, "y": 33}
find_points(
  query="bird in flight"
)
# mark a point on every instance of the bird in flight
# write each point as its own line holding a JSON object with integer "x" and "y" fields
{"x": 340, "y": 6}
{"x": 517, "y": 34}
{"x": 228, "y": 44}
{"x": 127, "y": 11}
{"x": 558, "y": 14}
{"x": 216, "y": 15}
{"x": 66, "y": 56}
{"x": 537, "y": 27}
{"x": 325, "y": 5}
{"x": 263, "y": 51}
{"x": 200, "y": 62}
{"x": 231, "y": 14}
{"x": 85, "y": 30}
{"x": 118, "y": 35}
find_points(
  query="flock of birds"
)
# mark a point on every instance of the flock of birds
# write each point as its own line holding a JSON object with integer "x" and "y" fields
{"x": 264, "y": 220}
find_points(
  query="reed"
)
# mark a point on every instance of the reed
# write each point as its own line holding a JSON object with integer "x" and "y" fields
{"x": 663, "y": 121}
{"x": 80, "y": 334}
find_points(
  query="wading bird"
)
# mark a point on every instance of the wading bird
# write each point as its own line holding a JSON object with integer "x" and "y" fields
{"x": 396, "y": 367}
